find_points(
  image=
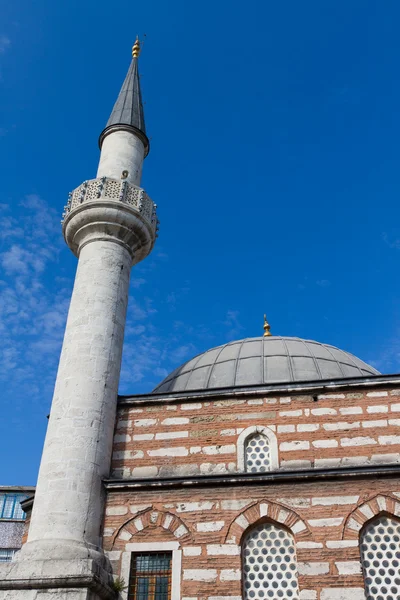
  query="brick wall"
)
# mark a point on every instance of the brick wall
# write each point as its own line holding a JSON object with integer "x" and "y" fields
{"x": 328, "y": 430}
{"x": 324, "y": 517}
{"x": 181, "y": 437}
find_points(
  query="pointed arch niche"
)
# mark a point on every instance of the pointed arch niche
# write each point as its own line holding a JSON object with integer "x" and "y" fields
{"x": 257, "y": 450}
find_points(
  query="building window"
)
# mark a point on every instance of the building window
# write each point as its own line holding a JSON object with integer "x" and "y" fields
{"x": 257, "y": 454}
{"x": 257, "y": 450}
{"x": 269, "y": 564}
{"x": 10, "y": 507}
{"x": 150, "y": 576}
{"x": 6, "y": 554}
{"x": 380, "y": 558}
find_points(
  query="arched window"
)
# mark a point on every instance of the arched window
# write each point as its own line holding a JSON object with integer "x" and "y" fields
{"x": 269, "y": 564}
{"x": 257, "y": 454}
{"x": 380, "y": 558}
{"x": 257, "y": 449}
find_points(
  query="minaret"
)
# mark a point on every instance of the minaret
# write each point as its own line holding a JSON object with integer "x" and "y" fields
{"x": 110, "y": 224}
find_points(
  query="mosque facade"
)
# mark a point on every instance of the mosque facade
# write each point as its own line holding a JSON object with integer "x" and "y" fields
{"x": 263, "y": 469}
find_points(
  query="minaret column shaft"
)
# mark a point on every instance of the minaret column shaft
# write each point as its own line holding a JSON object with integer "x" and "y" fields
{"x": 69, "y": 498}
{"x": 122, "y": 151}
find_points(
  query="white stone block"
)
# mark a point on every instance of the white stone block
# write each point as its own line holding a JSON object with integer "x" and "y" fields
{"x": 235, "y": 504}
{"x": 176, "y": 421}
{"x": 351, "y": 410}
{"x": 323, "y": 411}
{"x": 223, "y": 449}
{"x": 144, "y": 422}
{"x": 195, "y": 450}
{"x": 379, "y": 423}
{"x": 344, "y": 593}
{"x": 195, "y": 506}
{"x": 309, "y": 545}
{"x": 125, "y": 535}
{"x": 172, "y": 435}
{"x": 290, "y": 413}
{"x": 122, "y": 437}
{"x": 357, "y": 441}
{"x": 286, "y": 429}
{"x": 389, "y": 440}
{"x": 308, "y": 595}
{"x": 206, "y": 575}
{"x": 294, "y": 445}
{"x": 341, "y": 425}
{"x": 326, "y": 463}
{"x": 298, "y": 527}
{"x": 295, "y": 464}
{"x": 395, "y": 407}
{"x": 366, "y": 511}
{"x": 354, "y": 525}
{"x": 225, "y": 598}
{"x": 377, "y": 394}
{"x": 325, "y": 444}
{"x": 180, "y": 531}
{"x": 223, "y": 550}
{"x": 144, "y": 471}
{"x": 208, "y": 526}
{"x": 230, "y": 575}
{"x": 307, "y": 427}
{"x": 264, "y": 507}
{"x": 116, "y": 510}
{"x": 313, "y": 568}
{"x": 192, "y": 406}
{"x": 172, "y": 451}
{"x": 228, "y": 432}
{"x": 334, "y": 500}
{"x": 331, "y": 396}
{"x": 342, "y": 544}
{"x": 191, "y": 550}
{"x": 294, "y": 502}
{"x": 381, "y": 408}
{"x": 242, "y": 521}
{"x": 138, "y": 524}
{"x": 108, "y": 532}
{"x": 142, "y": 437}
{"x": 329, "y": 522}
{"x": 395, "y": 422}
{"x": 349, "y": 567}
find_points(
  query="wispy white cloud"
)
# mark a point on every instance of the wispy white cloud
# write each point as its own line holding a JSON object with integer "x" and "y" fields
{"x": 5, "y": 42}
{"x": 32, "y": 309}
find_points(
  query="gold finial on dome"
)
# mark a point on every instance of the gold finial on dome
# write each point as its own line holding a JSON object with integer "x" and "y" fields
{"x": 267, "y": 327}
{"x": 136, "y": 48}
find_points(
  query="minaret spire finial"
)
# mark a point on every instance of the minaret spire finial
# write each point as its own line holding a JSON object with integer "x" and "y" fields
{"x": 136, "y": 48}
{"x": 267, "y": 327}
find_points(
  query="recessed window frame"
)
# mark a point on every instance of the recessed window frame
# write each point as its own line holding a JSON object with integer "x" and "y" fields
{"x": 272, "y": 443}
{"x": 157, "y": 547}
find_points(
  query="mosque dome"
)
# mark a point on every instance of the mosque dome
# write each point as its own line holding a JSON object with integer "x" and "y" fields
{"x": 265, "y": 360}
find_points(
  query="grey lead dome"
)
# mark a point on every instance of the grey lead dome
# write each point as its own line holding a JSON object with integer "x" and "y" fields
{"x": 259, "y": 360}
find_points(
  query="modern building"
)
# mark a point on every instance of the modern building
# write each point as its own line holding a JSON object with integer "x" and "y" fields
{"x": 264, "y": 469}
{"x": 12, "y": 519}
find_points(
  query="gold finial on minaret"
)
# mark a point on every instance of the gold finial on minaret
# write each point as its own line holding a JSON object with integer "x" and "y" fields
{"x": 267, "y": 327}
{"x": 136, "y": 48}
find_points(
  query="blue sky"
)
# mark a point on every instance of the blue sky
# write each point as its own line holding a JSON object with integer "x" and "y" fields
{"x": 274, "y": 162}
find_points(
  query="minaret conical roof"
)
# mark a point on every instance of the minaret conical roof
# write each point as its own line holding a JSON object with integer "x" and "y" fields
{"x": 128, "y": 110}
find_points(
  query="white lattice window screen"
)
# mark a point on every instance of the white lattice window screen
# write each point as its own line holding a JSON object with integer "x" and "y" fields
{"x": 380, "y": 558}
{"x": 269, "y": 564}
{"x": 257, "y": 454}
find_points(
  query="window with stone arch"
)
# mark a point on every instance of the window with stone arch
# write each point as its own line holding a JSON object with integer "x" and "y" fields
{"x": 269, "y": 563}
{"x": 380, "y": 558}
{"x": 257, "y": 450}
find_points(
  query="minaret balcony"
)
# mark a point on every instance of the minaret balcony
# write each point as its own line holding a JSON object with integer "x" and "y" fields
{"x": 112, "y": 209}
{"x": 117, "y": 190}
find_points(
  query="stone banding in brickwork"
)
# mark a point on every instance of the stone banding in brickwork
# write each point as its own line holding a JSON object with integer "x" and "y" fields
{"x": 154, "y": 518}
{"x": 380, "y": 504}
{"x": 266, "y": 510}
